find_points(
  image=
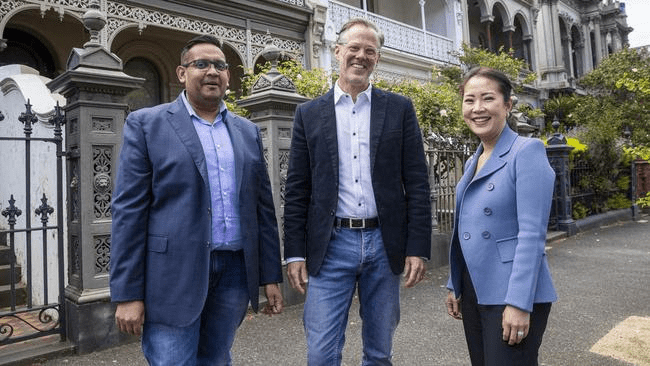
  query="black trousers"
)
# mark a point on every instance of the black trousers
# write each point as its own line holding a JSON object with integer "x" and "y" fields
{"x": 484, "y": 333}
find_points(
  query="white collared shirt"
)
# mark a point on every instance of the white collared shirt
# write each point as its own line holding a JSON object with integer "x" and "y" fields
{"x": 356, "y": 195}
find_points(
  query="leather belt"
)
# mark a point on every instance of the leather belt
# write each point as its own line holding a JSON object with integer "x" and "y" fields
{"x": 350, "y": 223}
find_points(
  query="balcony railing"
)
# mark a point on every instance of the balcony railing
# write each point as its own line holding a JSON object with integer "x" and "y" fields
{"x": 398, "y": 36}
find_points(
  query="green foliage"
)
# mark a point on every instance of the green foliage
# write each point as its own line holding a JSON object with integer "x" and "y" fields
{"x": 579, "y": 211}
{"x": 530, "y": 112}
{"x": 618, "y": 201}
{"x": 560, "y": 106}
{"x": 636, "y": 152}
{"x": 515, "y": 68}
{"x": 437, "y": 106}
{"x": 644, "y": 202}
{"x": 310, "y": 83}
{"x": 623, "y": 81}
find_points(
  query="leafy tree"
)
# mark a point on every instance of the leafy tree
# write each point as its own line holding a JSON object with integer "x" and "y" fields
{"x": 623, "y": 80}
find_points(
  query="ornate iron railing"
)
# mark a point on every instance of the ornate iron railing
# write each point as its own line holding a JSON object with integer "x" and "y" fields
{"x": 398, "y": 36}
{"x": 21, "y": 319}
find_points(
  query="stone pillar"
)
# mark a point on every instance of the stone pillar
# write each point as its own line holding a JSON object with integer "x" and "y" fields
{"x": 487, "y": 21}
{"x": 599, "y": 41}
{"x": 558, "y": 156}
{"x": 272, "y": 105}
{"x": 94, "y": 87}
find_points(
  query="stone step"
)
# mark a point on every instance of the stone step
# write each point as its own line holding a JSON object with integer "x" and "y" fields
{"x": 6, "y": 255}
{"x": 5, "y": 295}
{"x": 5, "y": 274}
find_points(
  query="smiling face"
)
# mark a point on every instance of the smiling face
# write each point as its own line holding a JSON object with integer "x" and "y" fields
{"x": 205, "y": 88}
{"x": 484, "y": 108}
{"x": 357, "y": 56}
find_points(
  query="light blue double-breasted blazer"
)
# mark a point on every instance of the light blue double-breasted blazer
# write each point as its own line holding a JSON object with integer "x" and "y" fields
{"x": 501, "y": 222}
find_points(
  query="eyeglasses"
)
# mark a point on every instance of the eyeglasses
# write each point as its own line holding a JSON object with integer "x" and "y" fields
{"x": 205, "y": 64}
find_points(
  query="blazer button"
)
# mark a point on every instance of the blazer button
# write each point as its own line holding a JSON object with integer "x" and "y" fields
{"x": 486, "y": 235}
{"x": 487, "y": 211}
{"x": 332, "y": 213}
{"x": 207, "y": 244}
{"x": 490, "y": 186}
{"x": 466, "y": 236}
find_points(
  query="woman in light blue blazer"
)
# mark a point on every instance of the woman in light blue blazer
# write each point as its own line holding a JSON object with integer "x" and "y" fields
{"x": 500, "y": 284}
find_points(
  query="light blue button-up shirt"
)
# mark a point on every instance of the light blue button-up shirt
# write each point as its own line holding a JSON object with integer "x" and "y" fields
{"x": 356, "y": 195}
{"x": 220, "y": 161}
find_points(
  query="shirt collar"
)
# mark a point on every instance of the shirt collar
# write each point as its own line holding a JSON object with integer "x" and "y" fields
{"x": 339, "y": 93}
{"x": 220, "y": 117}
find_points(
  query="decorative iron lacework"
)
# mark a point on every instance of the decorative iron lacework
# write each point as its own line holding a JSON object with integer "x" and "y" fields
{"x": 397, "y": 35}
{"x": 283, "y": 160}
{"x": 75, "y": 256}
{"x": 121, "y": 15}
{"x": 293, "y": 2}
{"x": 102, "y": 181}
{"x": 102, "y": 253}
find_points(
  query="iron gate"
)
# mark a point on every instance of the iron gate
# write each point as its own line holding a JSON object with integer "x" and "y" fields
{"x": 20, "y": 318}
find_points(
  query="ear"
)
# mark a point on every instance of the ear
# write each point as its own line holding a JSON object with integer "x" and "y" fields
{"x": 337, "y": 51}
{"x": 180, "y": 74}
{"x": 509, "y": 105}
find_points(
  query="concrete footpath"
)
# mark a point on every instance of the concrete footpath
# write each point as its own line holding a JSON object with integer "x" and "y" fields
{"x": 602, "y": 277}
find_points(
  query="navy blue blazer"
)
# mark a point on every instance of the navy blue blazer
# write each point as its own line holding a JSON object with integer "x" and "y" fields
{"x": 501, "y": 222}
{"x": 161, "y": 233}
{"x": 399, "y": 180}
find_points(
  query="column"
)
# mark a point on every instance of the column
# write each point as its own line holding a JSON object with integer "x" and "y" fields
{"x": 94, "y": 87}
{"x": 487, "y": 20}
{"x": 558, "y": 156}
{"x": 272, "y": 104}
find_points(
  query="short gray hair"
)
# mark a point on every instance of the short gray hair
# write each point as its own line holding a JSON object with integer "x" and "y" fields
{"x": 363, "y": 22}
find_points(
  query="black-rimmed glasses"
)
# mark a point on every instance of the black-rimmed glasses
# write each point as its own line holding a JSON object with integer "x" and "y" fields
{"x": 204, "y": 64}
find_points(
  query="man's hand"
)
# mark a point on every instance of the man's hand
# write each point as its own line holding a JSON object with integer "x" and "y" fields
{"x": 453, "y": 306}
{"x": 297, "y": 273}
{"x": 414, "y": 271}
{"x": 129, "y": 317}
{"x": 274, "y": 304}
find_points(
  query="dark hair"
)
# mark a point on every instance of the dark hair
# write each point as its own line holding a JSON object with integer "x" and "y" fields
{"x": 505, "y": 86}
{"x": 364, "y": 22}
{"x": 205, "y": 38}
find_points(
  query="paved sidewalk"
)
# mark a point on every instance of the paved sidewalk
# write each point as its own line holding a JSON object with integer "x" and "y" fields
{"x": 602, "y": 277}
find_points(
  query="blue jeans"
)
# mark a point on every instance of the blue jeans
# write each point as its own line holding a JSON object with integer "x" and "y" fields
{"x": 208, "y": 340}
{"x": 354, "y": 258}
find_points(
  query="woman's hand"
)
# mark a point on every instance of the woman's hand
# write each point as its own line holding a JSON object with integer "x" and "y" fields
{"x": 515, "y": 323}
{"x": 453, "y": 306}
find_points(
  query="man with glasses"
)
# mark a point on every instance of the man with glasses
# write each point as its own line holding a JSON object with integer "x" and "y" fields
{"x": 194, "y": 230}
{"x": 357, "y": 210}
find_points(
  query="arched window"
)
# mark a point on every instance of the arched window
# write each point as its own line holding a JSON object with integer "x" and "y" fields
{"x": 25, "y": 49}
{"x": 149, "y": 95}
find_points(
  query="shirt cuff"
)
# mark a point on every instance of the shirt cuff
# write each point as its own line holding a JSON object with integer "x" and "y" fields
{"x": 294, "y": 259}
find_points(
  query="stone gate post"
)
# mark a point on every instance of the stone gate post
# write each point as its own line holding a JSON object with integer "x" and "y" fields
{"x": 272, "y": 105}
{"x": 558, "y": 156}
{"x": 94, "y": 87}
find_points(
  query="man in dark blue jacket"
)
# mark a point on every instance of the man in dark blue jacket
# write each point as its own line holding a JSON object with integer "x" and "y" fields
{"x": 357, "y": 208}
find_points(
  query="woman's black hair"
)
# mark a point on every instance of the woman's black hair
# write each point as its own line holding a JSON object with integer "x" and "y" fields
{"x": 505, "y": 86}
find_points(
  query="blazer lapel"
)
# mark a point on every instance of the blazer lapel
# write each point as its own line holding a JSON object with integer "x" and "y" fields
{"x": 496, "y": 161}
{"x": 377, "y": 117}
{"x": 181, "y": 122}
{"x": 234, "y": 130}
{"x": 328, "y": 123}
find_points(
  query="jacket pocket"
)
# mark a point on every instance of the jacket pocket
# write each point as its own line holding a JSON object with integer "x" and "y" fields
{"x": 157, "y": 244}
{"x": 506, "y": 248}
